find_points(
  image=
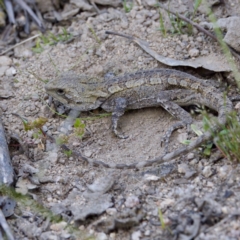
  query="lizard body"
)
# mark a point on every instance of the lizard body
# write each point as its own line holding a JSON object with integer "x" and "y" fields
{"x": 167, "y": 88}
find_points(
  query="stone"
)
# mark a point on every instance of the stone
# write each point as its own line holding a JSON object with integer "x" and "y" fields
{"x": 11, "y": 72}
{"x": 101, "y": 236}
{"x": 111, "y": 211}
{"x": 136, "y": 235}
{"x": 193, "y": 52}
{"x": 5, "y": 61}
{"x": 131, "y": 201}
{"x": 3, "y": 70}
{"x": 207, "y": 171}
{"x": 58, "y": 226}
{"x": 190, "y": 156}
{"x": 151, "y": 3}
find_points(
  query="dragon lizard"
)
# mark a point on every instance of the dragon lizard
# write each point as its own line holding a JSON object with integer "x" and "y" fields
{"x": 167, "y": 88}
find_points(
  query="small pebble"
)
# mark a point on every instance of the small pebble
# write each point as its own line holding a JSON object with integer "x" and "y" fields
{"x": 3, "y": 70}
{"x": 35, "y": 97}
{"x": 151, "y": 3}
{"x": 224, "y": 171}
{"x": 193, "y": 52}
{"x": 5, "y": 61}
{"x": 199, "y": 39}
{"x": 58, "y": 226}
{"x": 88, "y": 153}
{"x": 237, "y": 106}
{"x": 53, "y": 157}
{"x": 112, "y": 235}
{"x": 183, "y": 168}
{"x": 147, "y": 233}
{"x": 101, "y": 236}
{"x": 204, "y": 52}
{"x": 111, "y": 211}
{"x": 190, "y": 156}
{"x": 207, "y": 171}
{"x": 136, "y": 235}
{"x": 131, "y": 201}
{"x": 10, "y": 72}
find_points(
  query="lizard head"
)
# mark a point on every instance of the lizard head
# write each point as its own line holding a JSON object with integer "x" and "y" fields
{"x": 77, "y": 91}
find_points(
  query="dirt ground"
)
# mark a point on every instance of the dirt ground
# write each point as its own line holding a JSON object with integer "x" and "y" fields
{"x": 197, "y": 196}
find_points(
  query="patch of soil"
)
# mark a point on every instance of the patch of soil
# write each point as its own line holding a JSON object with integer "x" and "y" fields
{"x": 197, "y": 196}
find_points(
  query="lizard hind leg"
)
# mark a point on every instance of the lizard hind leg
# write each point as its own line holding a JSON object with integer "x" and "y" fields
{"x": 120, "y": 107}
{"x": 176, "y": 111}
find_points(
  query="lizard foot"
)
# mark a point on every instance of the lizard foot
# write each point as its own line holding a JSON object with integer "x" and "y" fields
{"x": 119, "y": 134}
{"x": 165, "y": 139}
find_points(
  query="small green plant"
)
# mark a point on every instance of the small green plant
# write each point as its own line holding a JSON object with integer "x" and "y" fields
{"x": 160, "y": 215}
{"x": 37, "y": 134}
{"x": 228, "y": 139}
{"x": 79, "y": 127}
{"x": 196, "y": 5}
{"x": 36, "y": 124}
{"x": 161, "y": 219}
{"x": 127, "y": 6}
{"x": 207, "y": 146}
{"x": 25, "y": 201}
{"x": 50, "y": 39}
{"x": 161, "y": 23}
{"x": 177, "y": 24}
{"x": 94, "y": 34}
{"x": 63, "y": 139}
{"x": 68, "y": 153}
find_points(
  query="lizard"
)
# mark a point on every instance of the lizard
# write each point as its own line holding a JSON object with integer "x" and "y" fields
{"x": 167, "y": 88}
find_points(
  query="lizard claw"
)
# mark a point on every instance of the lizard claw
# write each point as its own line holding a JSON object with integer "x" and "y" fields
{"x": 119, "y": 134}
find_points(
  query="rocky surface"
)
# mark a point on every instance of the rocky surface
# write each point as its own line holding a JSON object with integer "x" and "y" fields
{"x": 197, "y": 197}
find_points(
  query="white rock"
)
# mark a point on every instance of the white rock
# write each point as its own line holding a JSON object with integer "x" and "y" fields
{"x": 183, "y": 168}
{"x": 11, "y": 72}
{"x": 124, "y": 24}
{"x": 150, "y": 177}
{"x": 193, "y": 52}
{"x": 166, "y": 203}
{"x": 101, "y": 236}
{"x": 131, "y": 201}
{"x": 147, "y": 232}
{"x": 112, "y": 235}
{"x": 53, "y": 157}
{"x": 88, "y": 153}
{"x": 111, "y": 211}
{"x": 237, "y": 106}
{"x": 207, "y": 172}
{"x": 5, "y": 61}
{"x": 3, "y": 70}
{"x": 58, "y": 226}
{"x": 199, "y": 39}
{"x": 224, "y": 171}
{"x": 151, "y": 3}
{"x": 136, "y": 235}
{"x": 190, "y": 156}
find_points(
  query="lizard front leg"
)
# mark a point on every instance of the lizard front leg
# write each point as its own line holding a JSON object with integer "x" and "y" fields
{"x": 119, "y": 109}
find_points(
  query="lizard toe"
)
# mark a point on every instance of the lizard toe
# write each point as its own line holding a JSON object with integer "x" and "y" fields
{"x": 120, "y": 135}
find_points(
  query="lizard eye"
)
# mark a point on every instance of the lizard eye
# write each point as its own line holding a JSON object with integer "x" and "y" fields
{"x": 60, "y": 91}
